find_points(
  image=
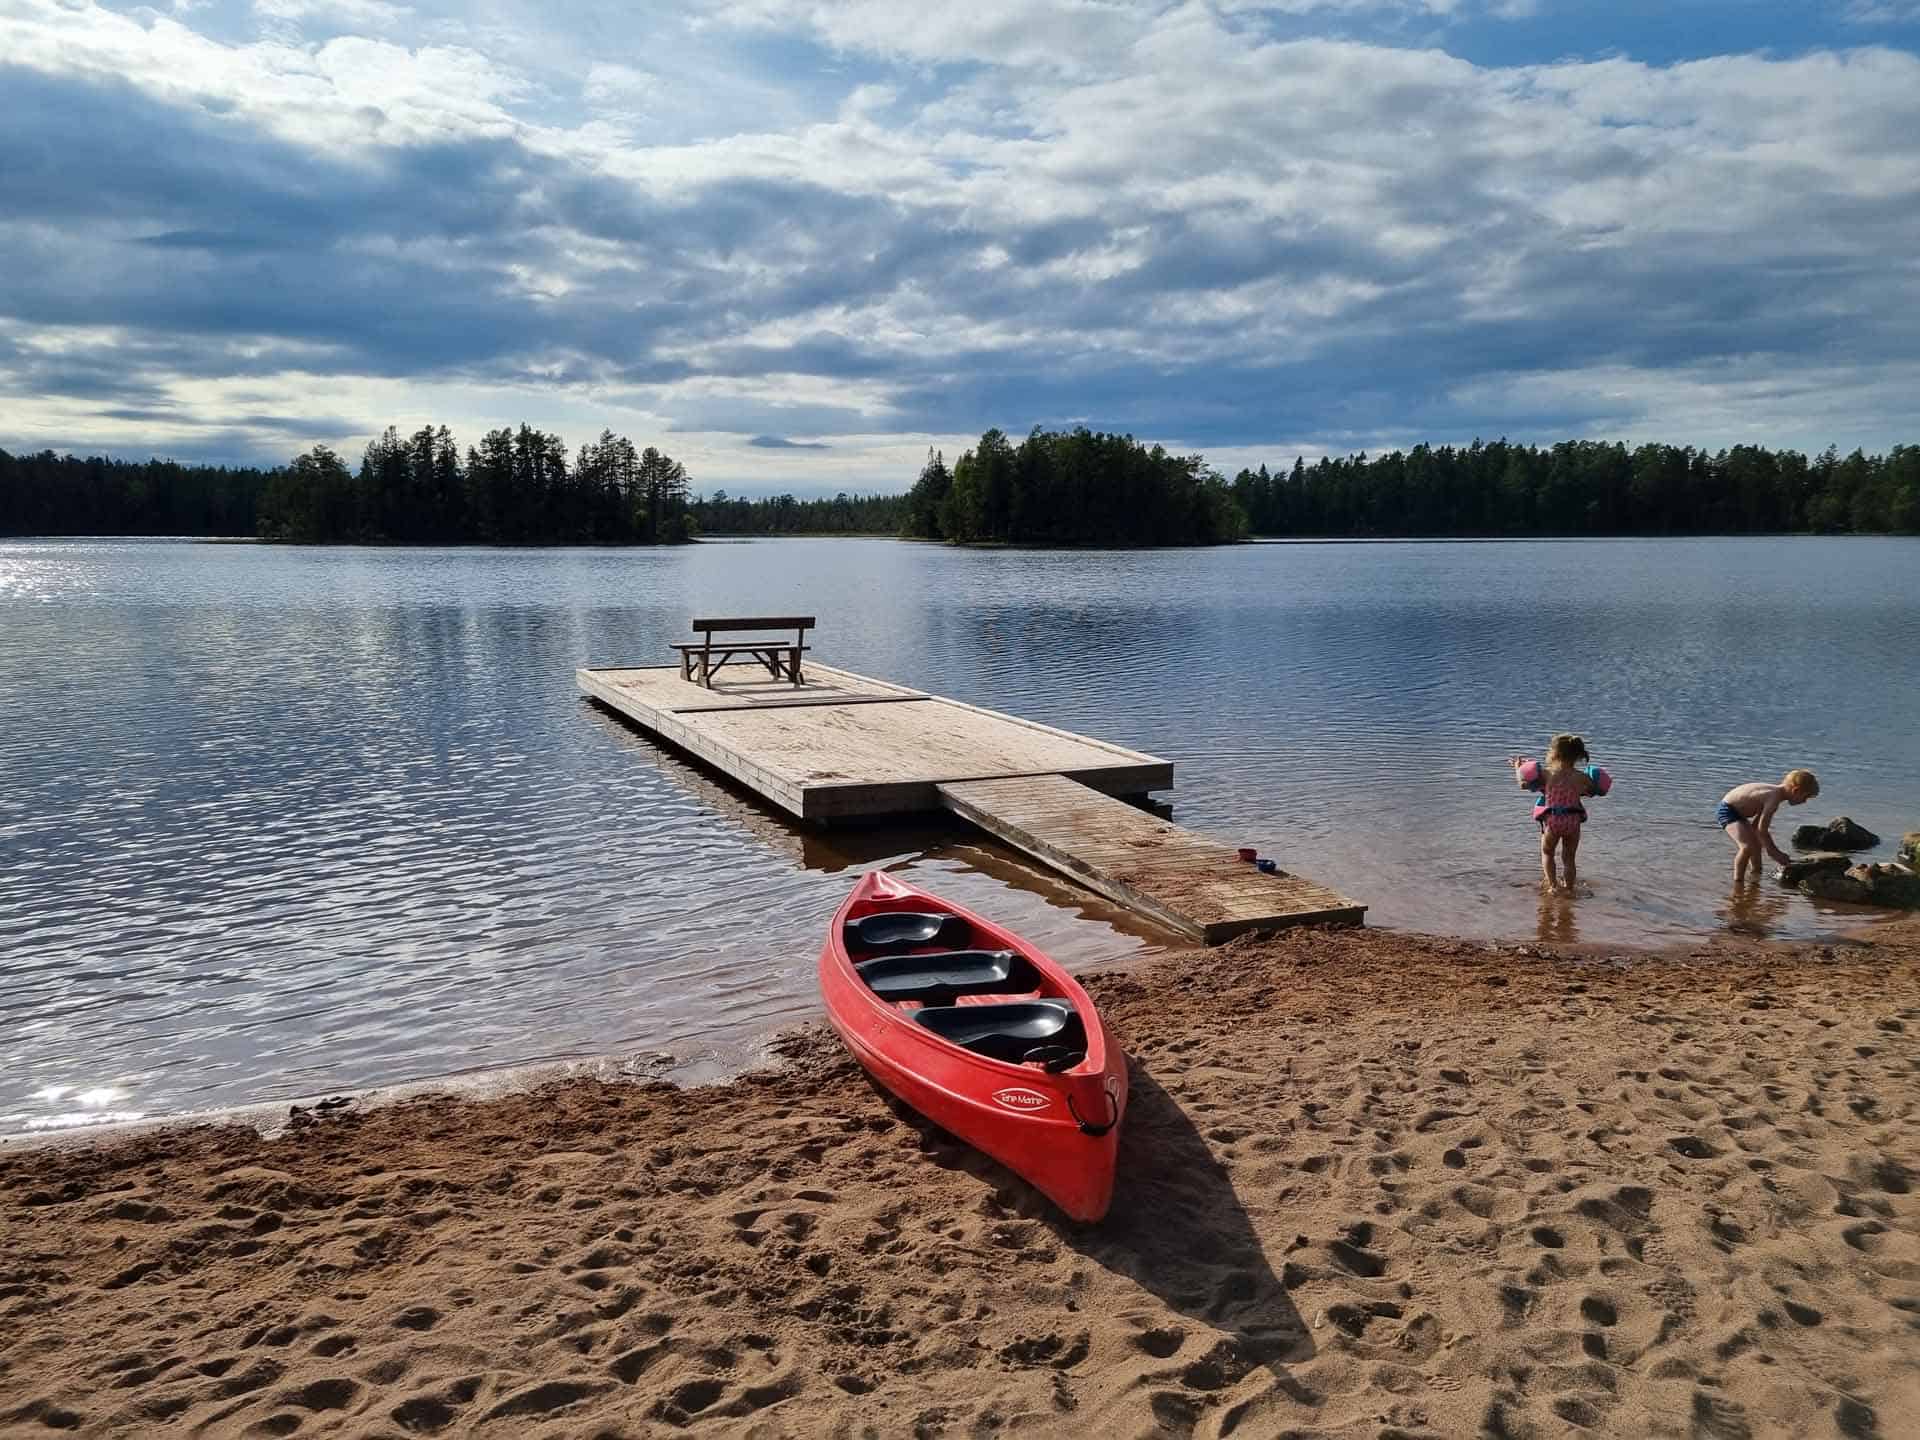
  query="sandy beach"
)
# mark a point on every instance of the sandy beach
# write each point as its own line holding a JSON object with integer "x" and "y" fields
{"x": 1372, "y": 1185}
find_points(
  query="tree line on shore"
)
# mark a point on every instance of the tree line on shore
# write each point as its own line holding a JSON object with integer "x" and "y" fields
{"x": 50, "y": 494}
{"x": 842, "y": 514}
{"x": 1584, "y": 487}
{"x": 520, "y": 486}
{"x": 516, "y": 487}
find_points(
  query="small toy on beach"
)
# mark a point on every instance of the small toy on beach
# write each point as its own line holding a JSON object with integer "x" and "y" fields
{"x": 982, "y": 1033}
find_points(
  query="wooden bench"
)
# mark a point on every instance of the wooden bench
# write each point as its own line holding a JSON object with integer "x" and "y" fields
{"x": 699, "y": 659}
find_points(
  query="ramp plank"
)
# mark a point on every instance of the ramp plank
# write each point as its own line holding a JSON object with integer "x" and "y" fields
{"x": 1191, "y": 883}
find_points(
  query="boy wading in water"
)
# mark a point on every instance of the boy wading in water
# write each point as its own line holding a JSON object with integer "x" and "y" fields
{"x": 1746, "y": 814}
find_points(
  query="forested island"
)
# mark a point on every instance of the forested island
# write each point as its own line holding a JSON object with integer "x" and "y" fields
{"x": 1077, "y": 488}
{"x": 521, "y": 486}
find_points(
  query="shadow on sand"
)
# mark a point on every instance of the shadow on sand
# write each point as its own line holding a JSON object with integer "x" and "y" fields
{"x": 1176, "y": 1229}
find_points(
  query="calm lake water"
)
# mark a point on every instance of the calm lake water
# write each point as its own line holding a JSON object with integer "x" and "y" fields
{"x": 275, "y": 822}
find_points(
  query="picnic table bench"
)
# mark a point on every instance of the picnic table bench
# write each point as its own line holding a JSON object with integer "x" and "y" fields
{"x": 699, "y": 659}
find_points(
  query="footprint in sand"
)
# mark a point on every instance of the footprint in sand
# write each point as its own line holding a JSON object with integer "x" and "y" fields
{"x": 1348, "y": 1251}
{"x": 1162, "y": 1341}
{"x": 334, "y": 1393}
{"x": 545, "y": 1398}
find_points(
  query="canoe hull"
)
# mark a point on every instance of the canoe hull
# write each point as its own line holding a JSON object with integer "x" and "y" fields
{"x": 1059, "y": 1132}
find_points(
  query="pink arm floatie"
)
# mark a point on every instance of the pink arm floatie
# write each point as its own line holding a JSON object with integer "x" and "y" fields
{"x": 1602, "y": 781}
{"x": 1528, "y": 773}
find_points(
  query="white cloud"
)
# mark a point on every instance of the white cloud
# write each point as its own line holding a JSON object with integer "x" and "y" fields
{"x": 1054, "y": 34}
{"x": 1069, "y": 36}
{"x": 339, "y": 14}
{"x": 348, "y": 90}
{"x": 618, "y": 87}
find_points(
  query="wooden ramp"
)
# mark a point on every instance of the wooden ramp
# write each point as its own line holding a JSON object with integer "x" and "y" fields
{"x": 1184, "y": 880}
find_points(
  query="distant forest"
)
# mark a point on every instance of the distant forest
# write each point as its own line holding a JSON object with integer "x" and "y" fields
{"x": 516, "y": 487}
{"x": 844, "y": 514}
{"x": 522, "y": 487}
{"x": 49, "y": 494}
{"x": 1077, "y": 488}
{"x": 1584, "y": 487}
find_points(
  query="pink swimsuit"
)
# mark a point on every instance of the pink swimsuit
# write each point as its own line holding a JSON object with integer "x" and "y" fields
{"x": 1559, "y": 799}
{"x": 1558, "y": 809}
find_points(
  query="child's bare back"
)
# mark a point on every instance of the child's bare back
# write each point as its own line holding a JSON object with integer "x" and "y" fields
{"x": 1753, "y": 797}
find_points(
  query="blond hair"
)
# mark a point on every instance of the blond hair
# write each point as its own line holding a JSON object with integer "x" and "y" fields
{"x": 1802, "y": 780}
{"x": 1565, "y": 751}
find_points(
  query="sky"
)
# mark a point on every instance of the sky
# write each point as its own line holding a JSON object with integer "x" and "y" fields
{"x": 797, "y": 245}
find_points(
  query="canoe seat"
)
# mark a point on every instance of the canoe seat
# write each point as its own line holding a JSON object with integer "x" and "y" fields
{"x": 948, "y": 974}
{"x": 903, "y": 929}
{"x": 1008, "y": 1031}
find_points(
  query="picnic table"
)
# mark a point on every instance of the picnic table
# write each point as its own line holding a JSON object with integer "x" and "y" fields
{"x": 701, "y": 659}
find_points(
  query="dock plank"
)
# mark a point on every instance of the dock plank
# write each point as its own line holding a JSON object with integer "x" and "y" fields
{"x": 1188, "y": 882}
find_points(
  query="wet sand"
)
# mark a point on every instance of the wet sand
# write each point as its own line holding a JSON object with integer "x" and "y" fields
{"x": 1372, "y": 1185}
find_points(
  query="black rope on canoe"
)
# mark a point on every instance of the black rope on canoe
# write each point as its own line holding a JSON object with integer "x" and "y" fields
{"x": 1113, "y": 1113}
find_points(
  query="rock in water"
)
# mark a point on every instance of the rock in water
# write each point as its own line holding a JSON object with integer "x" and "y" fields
{"x": 1895, "y": 886}
{"x": 1838, "y": 885}
{"x": 1910, "y": 848}
{"x": 1794, "y": 871}
{"x": 1837, "y": 834}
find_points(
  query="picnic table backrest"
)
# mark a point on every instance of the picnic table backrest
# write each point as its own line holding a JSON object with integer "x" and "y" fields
{"x": 755, "y": 622}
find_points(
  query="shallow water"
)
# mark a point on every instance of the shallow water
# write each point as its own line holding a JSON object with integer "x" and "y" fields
{"x": 281, "y": 821}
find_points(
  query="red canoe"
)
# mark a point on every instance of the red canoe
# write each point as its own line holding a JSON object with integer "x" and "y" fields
{"x": 981, "y": 1033}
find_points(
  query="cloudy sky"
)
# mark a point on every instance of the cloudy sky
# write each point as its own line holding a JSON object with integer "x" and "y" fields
{"x": 796, "y": 243}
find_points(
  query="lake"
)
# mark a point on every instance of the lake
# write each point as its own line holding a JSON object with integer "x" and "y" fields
{"x": 275, "y": 822}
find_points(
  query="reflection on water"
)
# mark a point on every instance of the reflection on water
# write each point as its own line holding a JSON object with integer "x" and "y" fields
{"x": 278, "y": 821}
{"x": 1758, "y": 910}
{"x": 1558, "y": 919}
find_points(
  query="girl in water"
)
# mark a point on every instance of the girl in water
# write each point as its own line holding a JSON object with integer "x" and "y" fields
{"x": 1561, "y": 786}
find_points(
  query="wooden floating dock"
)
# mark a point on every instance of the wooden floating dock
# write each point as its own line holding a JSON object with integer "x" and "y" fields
{"x": 841, "y": 747}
